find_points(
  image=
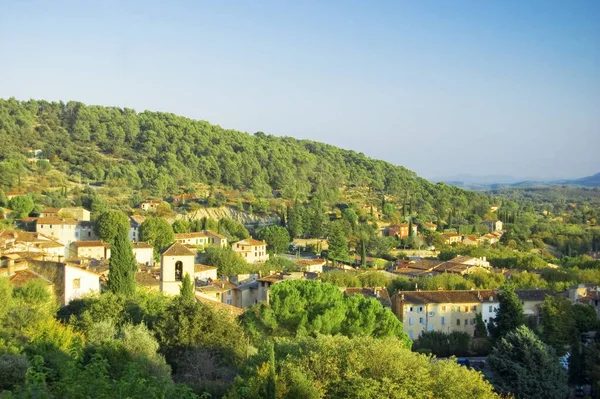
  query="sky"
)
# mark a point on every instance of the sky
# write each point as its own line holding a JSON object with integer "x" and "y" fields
{"x": 443, "y": 88}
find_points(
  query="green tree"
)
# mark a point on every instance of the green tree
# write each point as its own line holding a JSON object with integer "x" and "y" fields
{"x": 22, "y": 205}
{"x": 294, "y": 220}
{"x": 480, "y": 328}
{"x": 276, "y": 237}
{"x": 527, "y": 368}
{"x": 109, "y": 223}
{"x": 226, "y": 260}
{"x": 509, "y": 314}
{"x": 558, "y": 324}
{"x": 122, "y": 266}
{"x": 181, "y": 226}
{"x": 187, "y": 289}
{"x": 157, "y": 232}
{"x": 586, "y": 318}
{"x": 338, "y": 244}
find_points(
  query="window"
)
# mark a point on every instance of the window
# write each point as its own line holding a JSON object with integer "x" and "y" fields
{"x": 229, "y": 293}
{"x": 458, "y": 322}
{"x": 466, "y": 322}
{"x": 178, "y": 270}
{"x": 466, "y": 309}
{"x": 430, "y": 327}
{"x": 443, "y": 320}
{"x": 410, "y": 334}
{"x": 474, "y": 308}
{"x": 76, "y": 283}
{"x": 472, "y": 322}
{"x": 229, "y": 302}
{"x": 410, "y": 321}
{"x": 420, "y": 309}
{"x": 491, "y": 308}
{"x": 410, "y": 309}
{"x": 443, "y": 308}
{"x": 421, "y": 320}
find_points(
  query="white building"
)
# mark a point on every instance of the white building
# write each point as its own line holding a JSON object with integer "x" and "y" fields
{"x": 175, "y": 262}
{"x": 144, "y": 253}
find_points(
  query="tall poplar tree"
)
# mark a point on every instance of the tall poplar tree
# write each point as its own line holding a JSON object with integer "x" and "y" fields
{"x": 122, "y": 265}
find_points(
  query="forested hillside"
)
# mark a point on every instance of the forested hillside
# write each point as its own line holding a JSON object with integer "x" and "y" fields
{"x": 163, "y": 153}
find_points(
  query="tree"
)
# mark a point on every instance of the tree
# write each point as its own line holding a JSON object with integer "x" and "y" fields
{"x": 157, "y": 232}
{"x": 122, "y": 266}
{"x": 509, "y": 314}
{"x": 109, "y": 223}
{"x": 276, "y": 237}
{"x": 187, "y": 289}
{"x": 338, "y": 244}
{"x": 226, "y": 260}
{"x": 181, "y": 226}
{"x": 526, "y": 367}
{"x": 558, "y": 324}
{"x": 586, "y": 318}
{"x": 480, "y": 328}
{"x": 294, "y": 220}
{"x": 22, "y": 205}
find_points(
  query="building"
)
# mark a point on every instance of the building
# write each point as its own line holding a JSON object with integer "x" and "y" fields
{"x": 253, "y": 251}
{"x": 135, "y": 221}
{"x": 24, "y": 241}
{"x": 246, "y": 294}
{"x": 402, "y": 230}
{"x": 144, "y": 253}
{"x": 21, "y": 277}
{"x": 176, "y": 260}
{"x": 205, "y": 273}
{"x": 150, "y": 205}
{"x": 147, "y": 280}
{"x": 471, "y": 240}
{"x": 84, "y": 231}
{"x": 62, "y": 230}
{"x": 265, "y": 283}
{"x": 451, "y": 238}
{"x": 430, "y": 226}
{"x": 449, "y": 311}
{"x": 90, "y": 249}
{"x": 12, "y": 194}
{"x": 312, "y": 265}
{"x": 202, "y": 239}
{"x": 77, "y": 213}
{"x": 217, "y": 290}
{"x": 493, "y": 225}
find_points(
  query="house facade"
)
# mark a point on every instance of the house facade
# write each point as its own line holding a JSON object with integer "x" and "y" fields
{"x": 493, "y": 225}
{"x": 253, "y": 251}
{"x": 61, "y": 230}
{"x": 402, "y": 230}
{"x": 202, "y": 239}
{"x": 135, "y": 221}
{"x": 452, "y": 238}
{"x": 90, "y": 249}
{"x": 150, "y": 205}
{"x": 144, "y": 253}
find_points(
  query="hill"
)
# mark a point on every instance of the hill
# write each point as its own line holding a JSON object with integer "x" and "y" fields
{"x": 498, "y": 182}
{"x": 161, "y": 154}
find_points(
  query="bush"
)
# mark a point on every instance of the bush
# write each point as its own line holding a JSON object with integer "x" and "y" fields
{"x": 13, "y": 369}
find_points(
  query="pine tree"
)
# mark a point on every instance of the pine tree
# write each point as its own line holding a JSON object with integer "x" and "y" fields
{"x": 122, "y": 265}
{"x": 187, "y": 289}
{"x": 509, "y": 314}
{"x": 338, "y": 244}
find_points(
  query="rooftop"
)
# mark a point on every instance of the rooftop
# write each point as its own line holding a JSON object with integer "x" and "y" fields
{"x": 177, "y": 249}
{"x": 54, "y": 220}
{"x": 22, "y": 277}
{"x": 249, "y": 241}
{"x": 141, "y": 244}
{"x": 89, "y": 244}
{"x": 202, "y": 268}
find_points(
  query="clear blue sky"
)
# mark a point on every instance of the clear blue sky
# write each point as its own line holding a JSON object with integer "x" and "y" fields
{"x": 441, "y": 87}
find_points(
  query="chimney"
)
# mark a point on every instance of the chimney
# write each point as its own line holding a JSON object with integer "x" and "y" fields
{"x": 11, "y": 267}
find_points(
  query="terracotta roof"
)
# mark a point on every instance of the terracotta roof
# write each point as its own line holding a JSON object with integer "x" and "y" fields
{"x": 146, "y": 279}
{"x": 152, "y": 202}
{"x": 448, "y": 235}
{"x": 141, "y": 245}
{"x": 311, "y": 262}
{"x": 198, "y": 234}
{"x": 177, "y": 249}
{"x": 249, "y": 241}
{"x": 424, "y": 264}
{"x": 275, "y": 278}
{"x": 202, "y": 268}
{"x": 465, "y": 296}
{"x": 137, "y": 219}
{"x": 220, "y": 306}
{"x": 22, "y": 277}
{"x": 51, "y": 210}
{"x": 214, "y": 233}
{"x": 95, "y": 243}
{"x": 53, "y": 220}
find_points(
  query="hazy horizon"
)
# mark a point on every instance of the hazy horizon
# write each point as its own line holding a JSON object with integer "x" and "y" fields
{"x": 444, "y": 89}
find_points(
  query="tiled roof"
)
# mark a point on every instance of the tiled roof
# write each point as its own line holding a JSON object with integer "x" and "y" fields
{"x": 53, "y": 220}
{"x": 177, "y": 249}
{"x": 89, "y": 244}
{"x": 22, "y": 277}
{"x": 202, "y": 268}
{"x": 216, "y": 286}
{"x": 311, "y": 262}
{"x": 533, "y": 295}
{"x": 146, "y": 279}
{"x": 51, "y": 210}
{"x": 214, "y": 233}
{"x": 198, "y": 234}
{"x": 249, "y": 241}
{"x": 141, "y": 245}
{"x": 424, "y": 264}
{"x": 469, "y": 296}
{"x": 137, "y": 219}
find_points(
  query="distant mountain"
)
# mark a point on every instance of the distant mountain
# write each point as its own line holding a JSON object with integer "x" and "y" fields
{"x": 481, "y": 183}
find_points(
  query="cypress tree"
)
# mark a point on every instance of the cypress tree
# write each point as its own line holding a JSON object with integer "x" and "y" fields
{"x": 509, "y": 315}
{"x": 122, "y": 265}
{"x": 187, "y": 289}
{"x": 363, "y": 253}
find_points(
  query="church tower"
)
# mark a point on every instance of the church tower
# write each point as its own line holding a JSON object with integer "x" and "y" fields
{"x": 175, "y": 262}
